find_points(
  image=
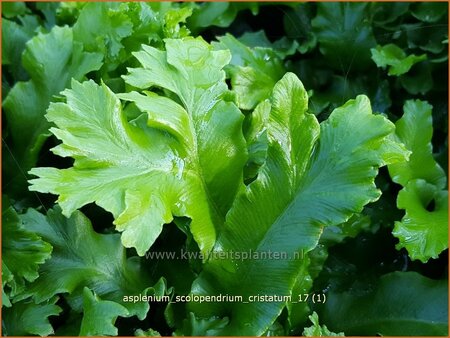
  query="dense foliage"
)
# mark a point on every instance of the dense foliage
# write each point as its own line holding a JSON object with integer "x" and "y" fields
{"x": 134, "y": 130}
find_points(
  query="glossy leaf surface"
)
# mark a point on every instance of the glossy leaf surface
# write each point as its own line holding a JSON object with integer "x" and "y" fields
{"x": 317, "y": 182}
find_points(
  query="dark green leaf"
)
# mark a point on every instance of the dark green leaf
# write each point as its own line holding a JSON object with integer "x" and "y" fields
{"x": 27, "y": 318}
{"x": 81, "y": 257}
{"x": 429, "y": 38}
{"x": 11, "y": 9}
{"x": 344, "y": 32}
{"x": 403, "y": 304}
{"x": 51, "y": 60}
{"x": 429, "y": 11}
{"x": 419, "y": 79}
{"x": 99, "y": 315}
{"x": 220, "y": 14}
{"x": 22, "y": 252}
{"x": 193, "y": 326}
{"x": 297, "y": 25}
{"x": 387, "y": 12}
{"x": 14, "y": 37}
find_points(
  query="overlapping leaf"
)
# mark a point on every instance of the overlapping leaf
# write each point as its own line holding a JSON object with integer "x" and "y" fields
{"x": 22, "y": 253}
{"x": 14, "y": 37}
{"x": 106, "y": 32}
{"x": 386, "y": 13}
{"x": 153, "y": 161}
{"x": 253, "y": 71}
{"x": 321, "y": 175}
{"x": 344, "y": 33}
{"x": 13, "y": 9}
{"x": 80, "y": 258}
{"x": 402, "y": 304}
{"x": 298, "y": 311}
{"x": 423, "y": 231}
{"x": 395, "y": 58}
{"x": 283, "y": 47}
{"x": 121, "y": 167}
{"x": 201, "y": 117}
{"x": 27, "y": 318}
{"x": 121, "y": 28}
{"x": 99, "y": 315}
{"x": 189, "y": 163}
{"x": 51, "y": 60}
{"x": 415, "y": 130}
{"x": 317, "y": 330}
{"x": 193, "y": 326}
{"x": 219, "y": 14}
{"x": 429, "y": 12}
{"x": 147, "y": 333}
{"x": 430, "y": 38}
{"x": 256, "y": 135}
{"x": 297, "y": 25}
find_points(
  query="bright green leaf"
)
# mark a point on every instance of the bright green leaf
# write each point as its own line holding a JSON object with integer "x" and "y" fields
{"x": 101, "y": 27}
{"x": 99, "y": 315}
{"x": 27, "y": 318}
{"x": 253, "y": 71}
{"x": 297, "y": 25}
{"x": 317, "y": 184}
{"x": 317, "y": 330}
{"x": 403, "y": 304}
{"x": 117, "y": 29}
{"x": 206, "y": 122}
{"x": 415, "y": 130}
{"x": 154, "y": 21}
{"x": 129, "y": 170}
{"x": 172, "y": 20}
{"x": 423, "y": 232}
{"x": 188, "y": 164}
{"x": 395, "y": 58}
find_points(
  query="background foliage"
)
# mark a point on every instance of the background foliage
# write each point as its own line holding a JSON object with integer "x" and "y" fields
{"x": 383, "y": 267}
